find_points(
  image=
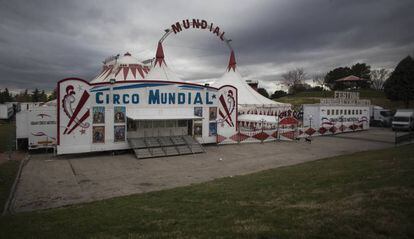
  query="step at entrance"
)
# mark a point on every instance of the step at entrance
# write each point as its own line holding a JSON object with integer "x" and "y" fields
{"x": 152, "y": 147}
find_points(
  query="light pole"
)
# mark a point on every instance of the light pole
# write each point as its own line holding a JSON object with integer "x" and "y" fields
{"x": 310, "y": 120}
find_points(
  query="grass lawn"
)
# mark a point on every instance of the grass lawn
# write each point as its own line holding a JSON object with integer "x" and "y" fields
{"x": 8, "y": 171}
{"x": 7, "y": 135}
{"x": 362, "y": 195}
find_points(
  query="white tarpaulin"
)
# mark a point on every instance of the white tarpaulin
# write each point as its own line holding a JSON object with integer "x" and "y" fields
{"x": 160, "y": 114}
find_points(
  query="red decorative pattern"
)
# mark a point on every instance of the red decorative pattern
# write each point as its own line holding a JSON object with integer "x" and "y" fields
{"x": 342, "y": 128}
{"x": 289, "y": 134}
{"x": 220, "y": 138}
{"x": 274, "y": 134}
{"x": 239, "y": 137}
{"x": 310, "y": 131}
{"x": 261, "y": 136}
{"x": 322, "y": 130}
{"x": 333, "y": 129}
{"x": 288, "y": 121}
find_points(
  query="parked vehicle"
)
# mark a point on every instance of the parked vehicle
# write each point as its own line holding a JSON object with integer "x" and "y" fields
{"x": 380, "y": 117}
{"x": 403, "y": 120}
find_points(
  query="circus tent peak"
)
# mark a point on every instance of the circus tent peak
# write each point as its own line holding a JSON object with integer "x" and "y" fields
{"x": 232, "y": 62}
{"x": 160, "y": 70}
{"x": 247, "y": 96}
{"x": 122, "y": 68}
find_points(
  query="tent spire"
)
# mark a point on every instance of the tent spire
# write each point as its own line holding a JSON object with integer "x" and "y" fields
{"x": 159, "y": 56}
{"x": 232, "y": 62}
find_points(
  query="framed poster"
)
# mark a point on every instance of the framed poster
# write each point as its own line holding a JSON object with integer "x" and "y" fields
{"x": 198, "y": 128}
{"x": 98, "y": 114}
{"x": 198, "y": 111}
{"x": 98, "y": 134}
{"x": 119, "y": 114}
{"x": 212, "y": 129}
{"x": 212, "y": 113}
{"x": 119, "y": 133}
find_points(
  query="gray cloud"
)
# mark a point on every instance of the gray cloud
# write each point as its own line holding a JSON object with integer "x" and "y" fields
{"x": 42, "y": 42}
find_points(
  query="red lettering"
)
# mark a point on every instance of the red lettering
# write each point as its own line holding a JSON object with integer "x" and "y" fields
{"x": 176, "y": 28}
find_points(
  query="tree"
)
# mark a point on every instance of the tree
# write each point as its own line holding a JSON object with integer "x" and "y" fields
{"x": 362, "y": 70}
{"x": 335, "y": 74}
{"x": 294, "y": 77}
{"x": 378, "y": 78}
{"x": 278, "y": 94}
{"x": 294, "y": 89}
{"x": 52, "y": 96}
{"x": 319, "y": 79}
{"x": 263, "y": 92}
{"x": 42, "y": 96}
{"x": 400, "y": 85}
{"x": 35, "y": 95}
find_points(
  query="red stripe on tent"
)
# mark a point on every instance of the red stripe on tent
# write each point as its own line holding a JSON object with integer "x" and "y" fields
{"x": 140, "y": 71}
{"x": 126, "y": 68}
{"x": 134, "y": 71}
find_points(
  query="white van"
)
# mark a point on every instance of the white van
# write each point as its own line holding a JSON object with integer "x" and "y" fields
{"x": 403, "y": 120}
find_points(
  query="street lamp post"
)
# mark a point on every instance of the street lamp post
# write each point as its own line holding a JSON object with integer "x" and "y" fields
{"x": 310, "y": 120}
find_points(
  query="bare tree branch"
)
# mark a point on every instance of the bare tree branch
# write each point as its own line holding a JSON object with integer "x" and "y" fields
{"x": 294, "y": 77}
{"x": 378, "y": 78}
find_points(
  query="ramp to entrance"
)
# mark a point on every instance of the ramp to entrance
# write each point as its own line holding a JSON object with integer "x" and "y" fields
{"x": 152, "y": 147}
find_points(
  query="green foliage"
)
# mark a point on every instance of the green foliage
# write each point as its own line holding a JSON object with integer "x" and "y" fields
{"x": 362, "y": 195}
{"x": 400, "y": 85}
{"x": 263, "y": 92}
{"x": 52, "y": 96}
{"x": 361, "y": 70}
{"x": 277, "y": 94}
{"x": 5, "y": 96}
{"x": 335, "y": 74}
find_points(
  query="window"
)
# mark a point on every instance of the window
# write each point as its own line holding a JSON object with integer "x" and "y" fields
{"x": 349, "y": 112}
{"x": 182, "y": 123}
{"x": 360, "y": 112}
{"x": 342, "y": 112}
{"x": 171, "y": 123}
{"x": 328, "y": 112}
{"x": 337, "y": 112}
{"x": 353, "y": 112}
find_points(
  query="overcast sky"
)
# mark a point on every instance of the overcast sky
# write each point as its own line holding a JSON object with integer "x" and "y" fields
{"x": 42, "y": 42}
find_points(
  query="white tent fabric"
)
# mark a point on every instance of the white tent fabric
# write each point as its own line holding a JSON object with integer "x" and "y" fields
{"x": 258, "y": 118}
{"x": 160, "y": 114}
{"x": 160, "y": 70}
{"x": 247, "y": 96}
{"x": 124, "y": 68}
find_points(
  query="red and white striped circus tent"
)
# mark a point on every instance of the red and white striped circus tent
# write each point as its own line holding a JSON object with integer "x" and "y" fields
{"x": 122, "y": 68}
{"x": 160, "y": 70}
{"x": 253, "y": 107}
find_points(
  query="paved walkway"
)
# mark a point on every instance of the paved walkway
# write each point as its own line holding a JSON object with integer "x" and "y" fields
{"x": 49, "y": 181}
